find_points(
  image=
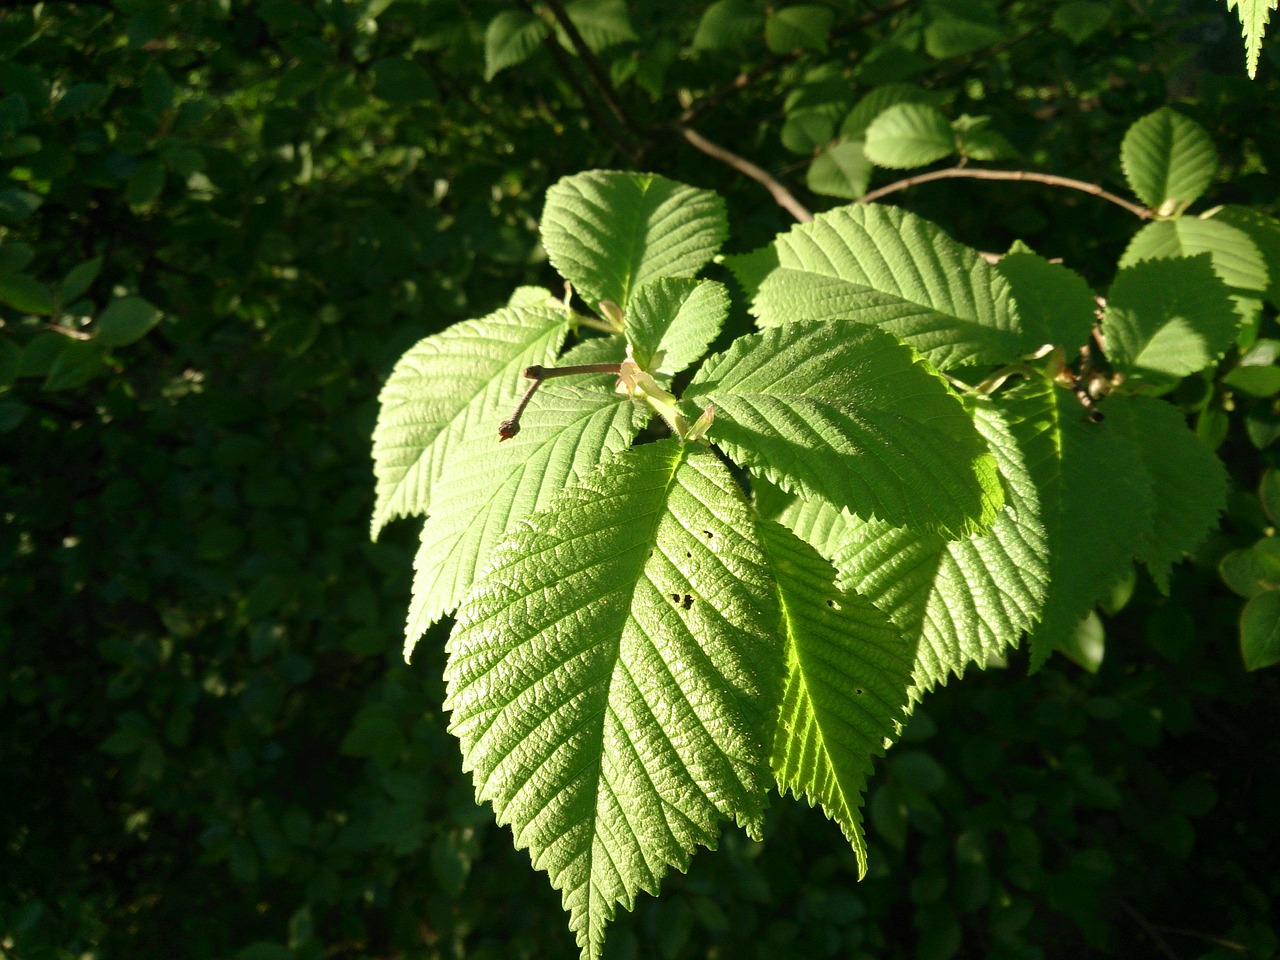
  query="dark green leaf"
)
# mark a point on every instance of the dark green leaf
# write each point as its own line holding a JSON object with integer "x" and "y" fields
{"x": 125, "y": 321}
{"x": 26, "y": 294}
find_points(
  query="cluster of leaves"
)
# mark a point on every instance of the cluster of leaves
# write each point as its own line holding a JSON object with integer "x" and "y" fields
{"x": 208, "y": 738}
{"x": 639, "y": 644}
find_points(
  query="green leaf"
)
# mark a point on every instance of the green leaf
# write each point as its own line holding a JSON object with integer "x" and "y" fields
{"x": 880, "y": 265}
{"x": 463, "y": 381}
{"x": 125, "y": 321}
{"x": 877, "y": 102}
{"x": 958, "y": 27}
{"x": 1264, "y": 231}
{"x": 1055, "y": 303}
{"x": 1269, "y": 494}
{"x": 1080, "y": 19}
{"x": 612, "y": 709}
{"x": 848, "y": 671}
{"x": 531, "y": 297}
{"x": 727, "y": 24}
{"x": 81, "y": 98}
{"x": 1188, "y": 482}
{"x": 18, "y": 204}
{"x": 78, "y": 362}
{"x": 1260, "y": 631}
{"x": 16, "y": 256}
{"x": 79, "y": 280}
{"x": 1168, "y": 160}
{"x": 1236, "y": 259}
{"x": 1254, "y": 570}
{"x": 842, "y": 170}
{"x": 909, "y": 135}
{"x": 602, "y": 23}
{"x": 487, "y": 486}
{"x": 26, "y": 294}
{"x": 510, "y": 39}
{"x": 1170, "y": 317}
{"x": 961, "y": 601}
{"x": 851, "y": 414}
{"x": 801, "y": 27}
{"x": 608, "y": 232}
{"x": 145, "y": 184}
{"x": 807, "y": 130}
{"x": 982, "y": 143}
{"x": 1096, "y": 504}
{"x": 1087, "y": 643}
{"x": 1254, "y": 15}
{"x": 670, "y": 322}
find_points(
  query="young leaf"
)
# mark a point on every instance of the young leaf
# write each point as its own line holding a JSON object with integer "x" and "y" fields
{"x": 880, "y": 265}
{"x": 670, "y": 322}
{"x": 614, "y": 708}
{"x": 842, "y": 170}
{"x": 909, "y": 135}
{"x": 877, "y": 102}
{"x": 1170, "y": 317}
{"x": 1236, "y": 259}
{"x": 609, "y": 232}
{"x": 848, "y": 671}
{"x": 1188, "y": 481}
{"x": 487, "y": 486}
{"x": 1254, "y": 15}
{"x": 850, "y": 414}
{"x": 462, "y": 381}
{"x": 801, "y": 27}
{"x": 1054, "y": 302}
{"x": 728, "y": 23}
{"x": 510, "y": 39}
{"x": 1168, "y": 160}
{"x": 602, "y": 23}
{"x": 1096, "y": 503}
{"x": 961, "y": 601}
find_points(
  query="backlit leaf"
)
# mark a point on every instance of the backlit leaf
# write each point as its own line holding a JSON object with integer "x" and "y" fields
{"x": 909, "y": 135}
{"x": 1168, "y": 159}
{"x": 880, "y": 265}
{"x": 609, "y": 706}
{"x": 608, "y": 232}
{"x": 670, "y": 322}
{"x": 463, "y": 381}
{"x": 848, "y": 413}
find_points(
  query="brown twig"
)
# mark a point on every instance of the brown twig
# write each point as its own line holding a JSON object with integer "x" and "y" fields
{"x": 1030, "y": 176}
{"x": 781, "y": 194}
{"x": 607, "y": 92}
{"x": 538, "y": 373}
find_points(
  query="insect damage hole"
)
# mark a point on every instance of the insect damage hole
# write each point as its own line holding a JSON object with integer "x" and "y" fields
{"x": 833, "y": 604}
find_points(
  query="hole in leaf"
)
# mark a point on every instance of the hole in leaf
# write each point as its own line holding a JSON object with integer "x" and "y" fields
{"x": 708, "y": 534}
{"x": 858, "y": 691}
{"x": 675, "y": 598}
{"x": 687, "y": 601}
{"x": 833, "y": 604}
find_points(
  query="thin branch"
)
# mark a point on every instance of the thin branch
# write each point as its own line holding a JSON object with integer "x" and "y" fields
{"x": 538, "y": 373}
{"x": 1030, "y": 176}
{"x": 1147, "y": 928}
{"x": 607, "y": 92}
{"x": 781, "y": 194}
{"x": 624, "y": 139}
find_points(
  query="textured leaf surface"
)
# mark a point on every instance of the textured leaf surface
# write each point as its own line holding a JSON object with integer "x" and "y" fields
{"x": 673, "y": 321}
{"x": 463, "y": 381}
{"x": 487, "y": 485}
{"x": 1054, "y": 302}
{"x": 610, "y": 677}
{"x": 1254, "y": 15}
{"x": 1189, "y": 483}
{"x": 1169, "y": 317}
{"x": 1236, "y": 259}
{"x": 602, "y": 23}
{"x": 848, "y": 413}
{"x": 1096, "y": 502}
{"x": 1264, "y": 231}
{"x": 608, "y": 232}
{"x": 909, "y": 135}
{"x": 728, "y": 23}
{"x": 877, "y": 102}
{"x": 880, "y": 265}
{"x": 962, "y": 601}
{"x": 848, "y": 670}
{"x": 800, "y": 27}
{"x": 1168, "y": 159}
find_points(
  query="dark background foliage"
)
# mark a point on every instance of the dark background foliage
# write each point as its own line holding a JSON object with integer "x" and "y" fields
{"x": 211, "y": 746}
